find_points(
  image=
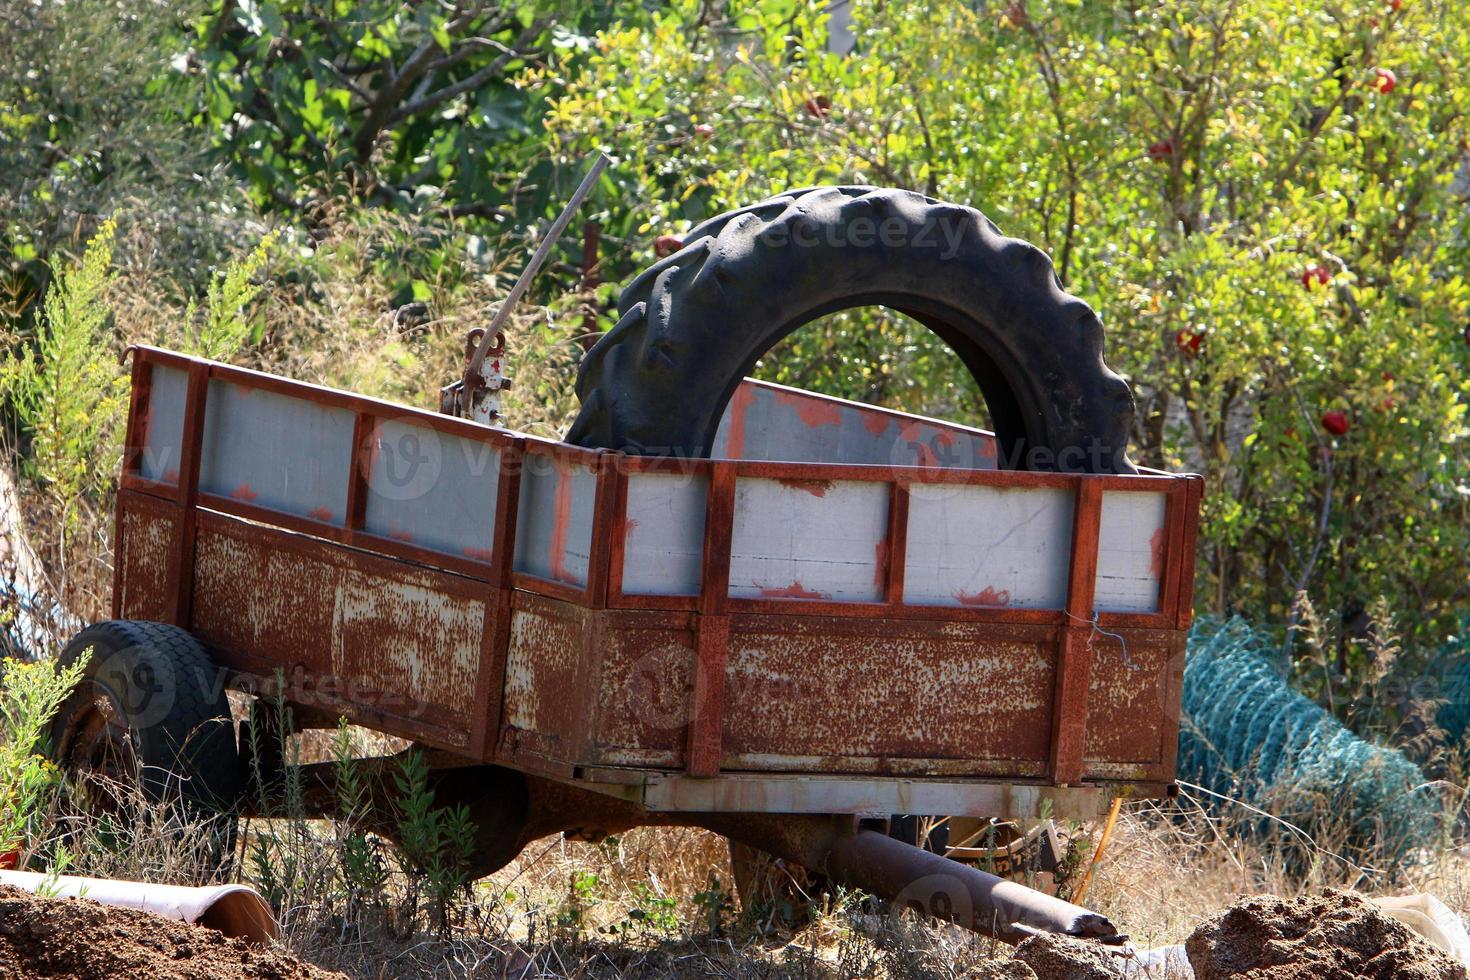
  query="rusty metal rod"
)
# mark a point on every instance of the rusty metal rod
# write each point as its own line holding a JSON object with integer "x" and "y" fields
{"x": 538, "y": 258}
{"x": 910, "y": 877}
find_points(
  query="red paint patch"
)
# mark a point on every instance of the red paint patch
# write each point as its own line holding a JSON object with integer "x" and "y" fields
{"x": 875, "y": 422}
{"x": 739, "y": 407}
{"x": 817, "y": 488}
{"x": 170, "y": 476}
{"x": 478, "y": 554}
{"x": 927, "y": 456}
{"x": 243, "y": 492}
{"x": 812, "y": 411}
{"x": 945, "y": 437}
{"x": 321, "y": 514}
{"x": 987, "y": 596}
{"x": 397, "y": 533}
{"x": 1156, "y": 551}
{"x": 793, "y": 591}
{"x": 631, "y": 525}
{"x": 562, "y": 519}
{"x": 988, "y": 448}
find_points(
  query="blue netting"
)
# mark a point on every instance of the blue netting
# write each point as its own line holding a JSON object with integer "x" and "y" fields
{"x": 1453, "y": 664}
{"x": 1248, "y": 735}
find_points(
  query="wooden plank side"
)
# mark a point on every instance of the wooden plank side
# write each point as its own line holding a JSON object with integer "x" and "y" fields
{"x": 162, "y": 423}
{"x": 813, "y": 539}
{"x": 1132, "y": 546}
{"x": 987, "y": 546}
{"x": 432, "y": 489}
{"x": 275, "y": 451}
{"x": 767, "y": 421}
{"x": 555, "y": 517}
{"x": 665, "y": 534}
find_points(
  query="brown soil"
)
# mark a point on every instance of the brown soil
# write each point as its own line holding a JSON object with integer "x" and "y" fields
{"x": 69, "y": 937}
{"x": 1064, "y": 958}
{"x": 1333, "y": 936}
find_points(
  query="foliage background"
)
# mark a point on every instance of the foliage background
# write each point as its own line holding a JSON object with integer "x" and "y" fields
{"x": 1190, "y": 166}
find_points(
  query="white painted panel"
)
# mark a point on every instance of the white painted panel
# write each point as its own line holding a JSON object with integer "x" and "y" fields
{"x": 554, "y": 519}
{"x": 275, "y": 451}
{"x": 773, "y": 422}
{"x": 988, "y": 546}
{"x": 665, "y": 541}
{"x": 165, "y": 431}
{"x": 1130, "y": 551}
{"x": 810, "y": 539}
{"x": 432, "y": 489}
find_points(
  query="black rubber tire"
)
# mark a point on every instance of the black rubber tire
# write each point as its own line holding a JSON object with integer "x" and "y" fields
{"x": 693, "y": 324}
{"x": 170, "y": 700}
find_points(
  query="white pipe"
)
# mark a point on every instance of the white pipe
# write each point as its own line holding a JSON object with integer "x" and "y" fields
{"x": 234, "y": 910}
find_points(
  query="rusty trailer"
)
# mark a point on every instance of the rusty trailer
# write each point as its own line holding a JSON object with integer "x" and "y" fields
{"x": 837, "y": 611}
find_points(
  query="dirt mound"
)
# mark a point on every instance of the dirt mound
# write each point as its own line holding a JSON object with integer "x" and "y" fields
{"x": 1064, "y": 958}
{"x": 1334, "y": 936}
{"x": 71, "y": 937}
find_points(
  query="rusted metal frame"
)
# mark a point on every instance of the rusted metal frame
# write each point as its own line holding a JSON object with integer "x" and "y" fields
{"x": 552, "y": 589}
{"x": 616, "y": 527}
{"x": 135, "y": 438}
{"x": 252, "y": 672}
{"x": 1196, "y": 493}
{"x": 495, "y": 639}
{"x": 387, "y": 547}
{"x": 593, "y": 626}
{"x": 886, "y": 610}
{"x": 896, "y": 545}
{"x": 1134, "y": 620}
{"x": 139, "y": 411}
{"x": 1074, "y": 658}
{"x": 181, "y": 572}
{"x": 609, "y": 528}
{"x": 364, "y": 431}
{"x": 154, "y": 488}
{"x": 563, "y": 455}
{"x": 148, "y": 508}
{"x": 624, "y": 466}
{"x": 839, "y": 625}
{"x": 1172, "y": 689}
{"x": 332, "y": 397}
{"x": 315, "y": 546}
{"x": 263, "y": 664}
{"x": 1173, "y": 550}
{"x": 712, "y": 626}
{"x": 919, "y": 475}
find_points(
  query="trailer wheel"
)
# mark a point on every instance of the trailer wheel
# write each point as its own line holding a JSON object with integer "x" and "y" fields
{"x": 150, "y": 711}
{"x": 693, "y": 324}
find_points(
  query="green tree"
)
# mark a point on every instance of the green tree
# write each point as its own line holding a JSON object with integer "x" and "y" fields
{"x": 1261, "y": 199}
{"x": 404, "y": 105}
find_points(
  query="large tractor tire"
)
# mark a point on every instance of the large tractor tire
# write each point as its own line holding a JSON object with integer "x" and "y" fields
{"x": 694, "y": 324}
{"x": 150, "y": 714}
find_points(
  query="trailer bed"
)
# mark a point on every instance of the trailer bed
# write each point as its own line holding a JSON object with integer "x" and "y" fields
{"x": 897, "y": 626}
